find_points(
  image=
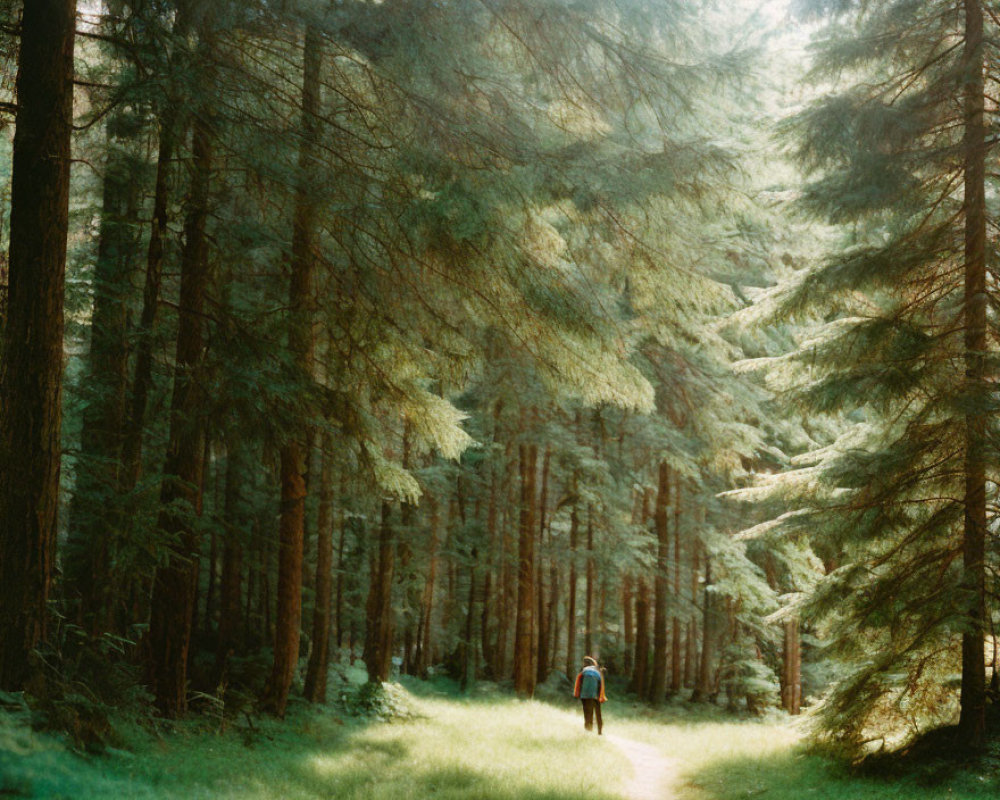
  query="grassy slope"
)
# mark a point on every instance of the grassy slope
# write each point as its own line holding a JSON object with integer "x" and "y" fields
{"x": 487, "y": 748}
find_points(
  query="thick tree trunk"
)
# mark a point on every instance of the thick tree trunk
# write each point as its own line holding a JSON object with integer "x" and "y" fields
{"x": 524, "y": 676}
{"x": 174, "y": 583}
{"x": 378, "y": 638}
{"x": 319, "y": 659}
{"x": 658, "y": 684}
{"x": 301, "y": 344}
{"x": 972, "y": 721}
{"x": 32, "y": 354}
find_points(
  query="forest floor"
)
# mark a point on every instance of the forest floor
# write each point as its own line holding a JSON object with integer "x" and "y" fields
{"x": 438, "y": 744}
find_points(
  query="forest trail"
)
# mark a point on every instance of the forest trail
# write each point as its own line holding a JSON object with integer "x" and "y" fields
{"x": 654, "y": 773}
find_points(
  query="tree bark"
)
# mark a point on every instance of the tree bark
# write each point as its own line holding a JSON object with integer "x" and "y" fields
{"x": 524, "y": 676}
{"x": 542, "y": 651}
{"x": 378, "y": 639}
{"x": 640, "y": 674}
{"x": 174, "y": 583}
{"x": 338, "y": 610}
{"x": 427, "y": 599}
{"x": 704, "y": 684}
{"x": 691, "y": 640}
{"x": 588, "y": 613}
{"x": 574, "y": 533}
{"x": 676, "y": 676}
{"x": 301, "y": 343}
{"x": 628, "y": 621}
{"x": 972, "y": 720}
{"x": 658, "y": 684}
{"x": 32, "y": 354}
{"x": 171, "y": 131}
{"x": 92, "y": 541}
{"x": 319, "y": 659}
{"x": 469, "y": 649}
{"x": 791, "y": 688}
{"x": 235, "y": 521}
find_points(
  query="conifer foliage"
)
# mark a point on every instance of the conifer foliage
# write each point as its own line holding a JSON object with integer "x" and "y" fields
{"x": 403, "y": 334}
{"x": 897, "y": 152}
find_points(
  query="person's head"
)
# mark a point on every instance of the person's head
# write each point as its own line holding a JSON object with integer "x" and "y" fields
{"x": 589, "y": 661}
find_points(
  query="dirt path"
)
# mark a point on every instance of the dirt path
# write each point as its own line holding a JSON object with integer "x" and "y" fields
{"x": 654, "y": 773}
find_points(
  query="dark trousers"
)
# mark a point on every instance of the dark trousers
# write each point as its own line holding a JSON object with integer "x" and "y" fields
{"x": 592, "y": 708}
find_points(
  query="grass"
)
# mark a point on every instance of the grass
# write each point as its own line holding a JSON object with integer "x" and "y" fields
{"x": 493, "y": 748}
{"x": 488, "y": 747}
{"x": 722, "y": 758}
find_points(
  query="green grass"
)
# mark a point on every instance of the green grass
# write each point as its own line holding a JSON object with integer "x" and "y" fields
{"x": 730, "y": 759}
{"x": 487, "y": 747}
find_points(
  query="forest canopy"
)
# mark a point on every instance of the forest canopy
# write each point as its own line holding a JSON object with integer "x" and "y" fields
{"x": 471, "y": 337}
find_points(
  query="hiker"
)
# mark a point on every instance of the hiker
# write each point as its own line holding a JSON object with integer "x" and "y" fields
{"x": 590, "y": 689}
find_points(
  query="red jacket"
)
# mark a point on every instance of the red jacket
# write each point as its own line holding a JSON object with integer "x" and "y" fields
{"x": 579, "y": 680}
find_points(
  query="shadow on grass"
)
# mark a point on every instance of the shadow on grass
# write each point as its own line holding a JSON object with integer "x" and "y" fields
{"x": 796, "y": 775}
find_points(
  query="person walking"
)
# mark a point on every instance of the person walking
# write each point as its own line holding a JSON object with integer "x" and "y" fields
{"x": 590, "y": 689}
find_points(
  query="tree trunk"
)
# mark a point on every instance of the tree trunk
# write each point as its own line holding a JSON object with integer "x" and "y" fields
{"x": 489, "y": 657}
{"x": 542, "y": 651}
{"x": 704, "y": 684}
{"x": 319, "y": 659}
{"x": 574, "y": 533}
{"x": 94, "y": 523}
{"x": 469, "y": 646}
{"x": 171, "y": 131}
{"x": 427, "y": 598}
{"x": 588, "y": 614}
{"x": 553, "y": 616}
{"x": 640, "y": 674}
{"x": 174, "y": 583}
{"x": 691, "y": 640}
{"x": 235, "y": 521}
{"x": 791, "y": 684}
{"x": 972, "y": 721}
{"x": 676, "y": 676}
{"x": 301, "y": 344}
{"x": 378, "y": 638}
{"x": 658, "y": 684}
{"x": 32, "y": 354}
{"x": 524, "y": 677}
{"x": 338, "y": 611}
{"x": 405, "y": 573}
{"x": 628, "y": 622}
